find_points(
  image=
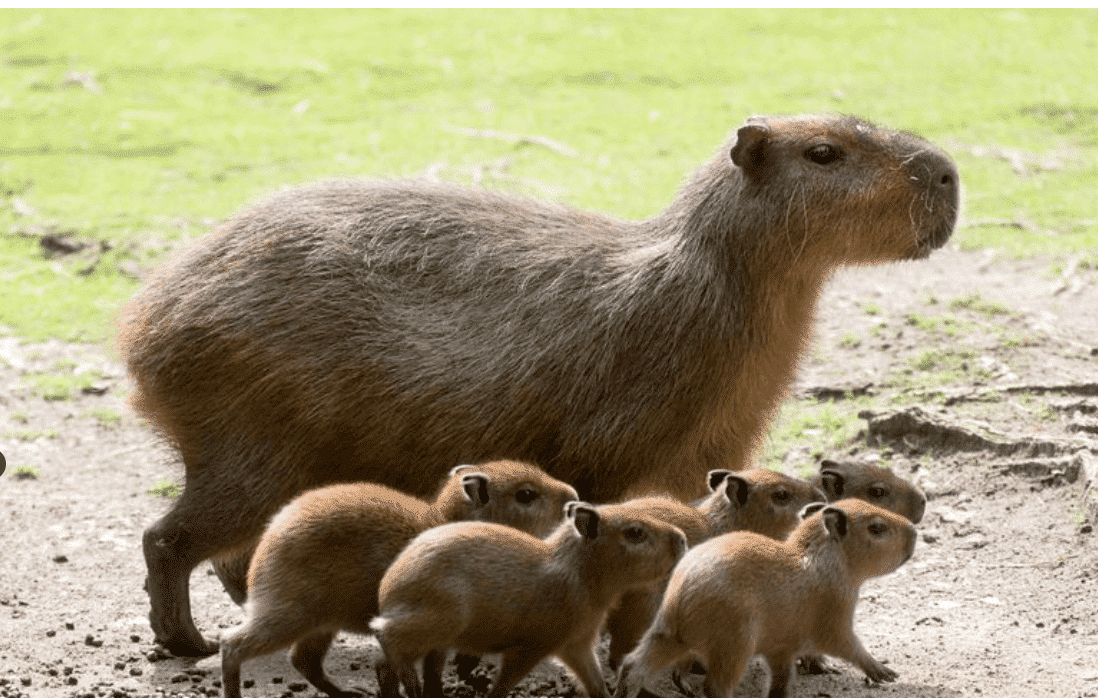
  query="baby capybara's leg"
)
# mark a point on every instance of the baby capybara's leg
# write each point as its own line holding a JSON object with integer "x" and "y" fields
{"x": 307, "y": 656}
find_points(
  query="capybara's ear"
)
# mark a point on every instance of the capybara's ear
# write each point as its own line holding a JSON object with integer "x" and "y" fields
{"x": 737, "y": 489}
{"x": 834, "y": 520}
{"x": 715, "y": 477}
{"x": 832, "y": 480}
{"x": 476, "y": 488}
{"x": 751, "y": 141}
{"x": 586, "y": 519}
{"x": 810, "y": 509}
{"x": 457, "y": 469}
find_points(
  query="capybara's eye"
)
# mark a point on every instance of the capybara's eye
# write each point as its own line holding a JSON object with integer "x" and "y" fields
{"x": 781, "y": 496}
{"x": 823, "y": 154}
{"x": 877, "y": 528}
{"x": 635, "y": 534}
{"x": 877, "y": 492}
{"x": 526, "y": 495}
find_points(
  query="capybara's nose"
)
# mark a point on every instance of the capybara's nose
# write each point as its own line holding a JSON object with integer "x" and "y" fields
{"x": 933, "y": 171}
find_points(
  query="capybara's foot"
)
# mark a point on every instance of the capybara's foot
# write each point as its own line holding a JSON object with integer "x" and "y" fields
{"x": 816, "y": 665}
{"x": 179, "y": 641}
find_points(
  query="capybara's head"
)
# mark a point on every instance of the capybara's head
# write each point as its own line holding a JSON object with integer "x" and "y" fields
{"x": 627, "y": 546}
{"x": 872, "y": 541}
{"x": 872, "y": 484}
{"x": 757, "y": 500}
{"x": 506, "y": 492}
{"x": 842, "y": 190}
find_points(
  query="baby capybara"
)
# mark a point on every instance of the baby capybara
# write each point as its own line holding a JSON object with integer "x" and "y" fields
{"x": 334, "y": 330}
{"x": 317, "y": 567}
{"x": 484, "y": 588}
{"x": 742, "y": 594}
{"x": 757, "y": 499}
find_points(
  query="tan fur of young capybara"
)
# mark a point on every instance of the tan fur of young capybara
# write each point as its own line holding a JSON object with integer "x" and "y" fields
{"x": 741, "y": 594}
{"x": 758, "y": 500}
{"x": 873, "y": 484}
{"x": 319, "y": 564}
{"x": 335, "y": 332}
{"x": 483, "y": 588}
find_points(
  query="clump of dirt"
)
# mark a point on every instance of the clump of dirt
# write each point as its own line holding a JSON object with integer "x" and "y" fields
{"x": 977, "y": 377}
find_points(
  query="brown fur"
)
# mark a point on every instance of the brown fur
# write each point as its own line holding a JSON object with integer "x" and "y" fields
{"x": 873, "y": 484}
{"x": 318, "y": 566}
{"x": 757, "y": 500}
{"x": 743, "y": 594}
{"x": 336, "y": 329}
{"x": 483, "y": 588}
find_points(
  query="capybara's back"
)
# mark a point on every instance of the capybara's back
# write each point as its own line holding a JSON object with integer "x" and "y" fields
{"x": 336, "y": 329}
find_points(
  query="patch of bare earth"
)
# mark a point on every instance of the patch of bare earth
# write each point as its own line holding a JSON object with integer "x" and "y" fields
{"x": 975, "y": 376}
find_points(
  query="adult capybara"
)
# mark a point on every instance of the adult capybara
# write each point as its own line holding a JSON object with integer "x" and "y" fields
{"x": 342, "y": 331}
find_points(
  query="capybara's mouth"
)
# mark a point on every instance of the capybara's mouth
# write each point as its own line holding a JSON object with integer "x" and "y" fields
{"x": 938, "y": 236}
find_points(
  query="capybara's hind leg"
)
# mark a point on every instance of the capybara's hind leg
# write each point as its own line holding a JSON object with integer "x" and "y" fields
{"x": 197, "y": 527}
{"x": 171, "y": 552}
{"x": 307, "y": 656}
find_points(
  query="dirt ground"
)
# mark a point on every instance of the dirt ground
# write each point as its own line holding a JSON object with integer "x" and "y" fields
{"x": 988, "y": 401}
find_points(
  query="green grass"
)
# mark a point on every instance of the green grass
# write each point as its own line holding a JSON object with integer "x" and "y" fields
{"x": 850, "y": 341}
{"x": 166, "y": 489}
{"x": 59, "y": 386}
{"x": 32, "y": 434}
{"x": 142, "y": 128}
{"x": 26, "y": 472}
{"x": 104, "y": 415}
{"x": 977, "y": 304}
{"x": 827, "y": 427}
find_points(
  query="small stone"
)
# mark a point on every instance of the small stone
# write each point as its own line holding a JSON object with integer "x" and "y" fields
{"x": 72, "y": 681}
{"x": 51, "y": 633}
{"x": 67, "y": 671}
{"x": 136, "y": 671}
{"x": 355, "y": 666}
{"x": 1086, "y": 528}
{"x": 70, "y": 626}
{"x": 135, "y": 638}
{"x": 298, "y": 686}
{"x": 60, "y": 558}
{"x": 180, "y": 678}
{"x": 929, "y": 538}
{"x": 90, "y": 641}
{"x": 52, "y": 672}
{"x": 276, "y": 679}
{"x": 25, "y": 680}
{"x": 153, "y": 656}
{"x": 119, "y": 665}
{"x": 247, "y": 683}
